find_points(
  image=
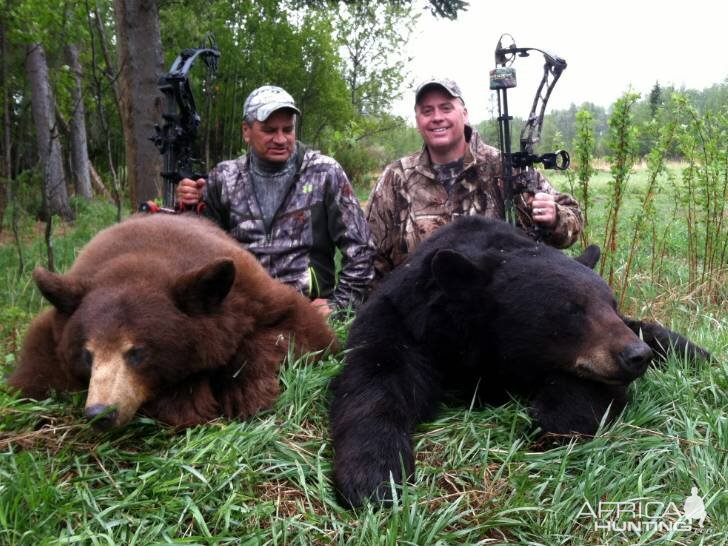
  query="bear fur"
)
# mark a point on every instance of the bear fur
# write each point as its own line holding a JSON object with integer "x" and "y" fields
{"x": 168, "y": 315}
{"x": 481, "y": 310}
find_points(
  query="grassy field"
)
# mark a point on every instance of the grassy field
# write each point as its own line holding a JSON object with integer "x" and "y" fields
{"x": 482, "y": 478}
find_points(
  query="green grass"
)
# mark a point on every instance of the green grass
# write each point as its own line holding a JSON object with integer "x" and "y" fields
{"x": 482, "y": 478}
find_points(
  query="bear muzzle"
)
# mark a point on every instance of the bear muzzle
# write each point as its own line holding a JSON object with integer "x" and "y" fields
{"x": 634, "y": 359}
{"x": 615, "y": 366}
{"x": 102, "y": 417}
{"x": 115, "y": 390}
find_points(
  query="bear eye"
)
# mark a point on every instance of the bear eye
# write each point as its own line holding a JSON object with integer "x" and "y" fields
{"x": 573, "y": 308}
{"x": 87, "y": 358}
{"x": 134, "y": 356}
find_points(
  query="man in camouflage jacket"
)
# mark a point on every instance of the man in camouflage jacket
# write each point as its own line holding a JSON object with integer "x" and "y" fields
{"x": 454, "y": 174}
{"x": 290, "y": 206}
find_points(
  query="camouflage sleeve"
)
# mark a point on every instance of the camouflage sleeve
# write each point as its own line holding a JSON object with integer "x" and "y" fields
{"x": 568, "y": 215}
{"x": 214, "y": 209}
{"x": 349, "y": 231}
{"x": 381, "y": 216}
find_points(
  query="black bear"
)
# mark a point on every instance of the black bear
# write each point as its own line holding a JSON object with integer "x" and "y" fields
{"x": 479, "y": 303}
{"x": 167, "y": 315}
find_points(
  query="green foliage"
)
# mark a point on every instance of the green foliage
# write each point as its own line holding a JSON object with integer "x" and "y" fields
{"x": 655, "y": 99}
{"x": 488, "y": 130}
{"x": 261, "y": 43}
{"x": 28, "y": 194}
{"x": 656, "y": 166}
{"x": 399, "y": 141}
{"x": 308, "y": 46}
{"x": 366, "y": 145}
{"x": 582, "y": 165}
{"x": 702, "y": 142}
{"x": 357, "y": 159}
{"x": 373, "y": 36}
{"x": 447, "y": 9}
{"x": 697, "y": 191}
{"x": 298, "y": 45}
{"x": 54, "y": 25}
{"x": 711, "y": 99}
{"x": 622, "y": 143}
{"x": 38, "y": 21}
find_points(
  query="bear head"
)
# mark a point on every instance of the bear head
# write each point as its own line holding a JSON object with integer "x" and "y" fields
{"x": 521, "y": 308}
{"x": 136, "y": 330}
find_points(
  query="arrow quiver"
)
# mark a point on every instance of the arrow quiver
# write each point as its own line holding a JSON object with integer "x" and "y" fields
{"x": 175, "y": 139}
{"x": 502, "y": 78}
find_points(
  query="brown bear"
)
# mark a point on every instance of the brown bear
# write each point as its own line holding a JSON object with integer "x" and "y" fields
{"x": 168, "y": 315}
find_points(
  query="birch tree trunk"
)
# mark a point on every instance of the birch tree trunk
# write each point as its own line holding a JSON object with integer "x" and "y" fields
{"x": 140, "y": 64}
{"x": 55, "y": 194}
{"x": 79, "y": 146}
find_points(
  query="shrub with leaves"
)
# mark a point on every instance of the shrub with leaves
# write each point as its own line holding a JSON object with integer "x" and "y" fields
{"x": 622, "y": 144}
{"x": 702, "y": 142}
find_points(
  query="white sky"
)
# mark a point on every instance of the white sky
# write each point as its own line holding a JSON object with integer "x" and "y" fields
{"x": 609, "y": 46}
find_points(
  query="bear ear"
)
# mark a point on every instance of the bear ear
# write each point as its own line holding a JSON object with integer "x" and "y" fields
{"x": 590, "y": 256}
{"x": 452, "y": 269}
{"x": 203, "y": 290}
{"x": 62, "y": 291}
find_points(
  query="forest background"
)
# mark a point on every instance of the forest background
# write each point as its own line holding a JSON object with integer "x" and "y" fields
{"x": 93, "y": 67}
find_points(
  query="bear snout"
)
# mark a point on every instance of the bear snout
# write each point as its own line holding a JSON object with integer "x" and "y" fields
{"x": 114, "y": 384}
{"x": 635, "y": 358}
{"x": 101, "y": 416}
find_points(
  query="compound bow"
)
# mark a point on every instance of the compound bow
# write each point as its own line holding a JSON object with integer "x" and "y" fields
{"x": 176, "y": 137}
{"x": 502, "y": 78}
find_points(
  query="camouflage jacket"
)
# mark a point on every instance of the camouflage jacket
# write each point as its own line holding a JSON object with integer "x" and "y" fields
{"x": 318, "y": 214}
{"x": 408, "y": 203}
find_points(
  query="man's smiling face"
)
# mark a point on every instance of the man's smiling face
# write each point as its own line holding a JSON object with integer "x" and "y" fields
{"x": 441, "y": 120}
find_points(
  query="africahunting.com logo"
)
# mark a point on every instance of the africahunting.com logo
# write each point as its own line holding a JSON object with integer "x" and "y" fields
{"x": 644, "y": 516}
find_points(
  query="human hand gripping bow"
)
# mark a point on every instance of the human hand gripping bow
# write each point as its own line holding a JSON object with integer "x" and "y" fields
{"x": 518, "y": 175}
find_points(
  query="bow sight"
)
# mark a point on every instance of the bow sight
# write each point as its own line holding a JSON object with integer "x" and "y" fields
{"x": 502, "y": 78}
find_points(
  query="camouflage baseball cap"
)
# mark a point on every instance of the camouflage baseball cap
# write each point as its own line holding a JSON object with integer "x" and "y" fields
{"x": 445, "y": 83}
{"x": 263, "y": 101}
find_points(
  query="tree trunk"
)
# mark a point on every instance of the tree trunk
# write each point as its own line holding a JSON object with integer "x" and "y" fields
{"x": 112, "y": 75}
{"x": 140, "y": 64}
{"x": 6, "y": 173}
{"x": 49, "y": 146}
{"x": 98, "y": 184}
{"x": 79, "y": 147}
